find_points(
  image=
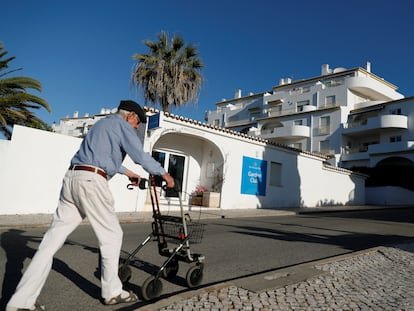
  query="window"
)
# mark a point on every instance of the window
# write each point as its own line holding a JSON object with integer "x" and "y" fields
{"x": 275, "y": 174}
{"x": 275, "y": 102}
{"x": 396, "y": 111}
{"x": 394, "y": 139}
{"x": 333, "y": 83}
{"x": 325, "y": 125}
{"x": 324, "y": 146}
{"x": 305, "y": 89}
{"x": 298, "y": 122}
{"x": 330, "y": 100}
{"x": 275, "y": 111}
{"x": 216, "y": 122}
{"x": 174, "y": 164}
{"x": 254, "y": 115}
{"x": 300, "y": 105}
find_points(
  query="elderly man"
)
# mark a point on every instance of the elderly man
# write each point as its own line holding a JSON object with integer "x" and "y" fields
{"x": 85, "y": 193}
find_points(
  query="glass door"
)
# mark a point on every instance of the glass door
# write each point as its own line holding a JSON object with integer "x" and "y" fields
{"x": 174, "y": 164}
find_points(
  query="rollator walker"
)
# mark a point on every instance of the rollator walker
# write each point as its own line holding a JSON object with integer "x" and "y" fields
{"x": 177, "y": 230}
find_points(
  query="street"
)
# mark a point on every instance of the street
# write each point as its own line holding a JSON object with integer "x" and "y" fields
{"x": 233, "y": 248}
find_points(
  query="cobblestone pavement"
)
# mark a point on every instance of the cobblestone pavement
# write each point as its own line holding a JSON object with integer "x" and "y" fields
{"x": 379, "y": 279}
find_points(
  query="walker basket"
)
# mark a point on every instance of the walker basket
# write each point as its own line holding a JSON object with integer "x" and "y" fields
{"x": 172, "y": 229}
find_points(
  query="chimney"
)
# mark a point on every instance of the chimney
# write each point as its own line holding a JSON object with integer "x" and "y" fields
{"x": 325, "y": 69}
{"x": 285, "y": 81}
{"x": 368, "y": 66}
{"x": 237, "y": 94}
{"x": 75, "y": 114}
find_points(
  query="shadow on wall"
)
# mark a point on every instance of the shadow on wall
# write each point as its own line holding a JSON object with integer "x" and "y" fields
{"x": 280, "y": 173}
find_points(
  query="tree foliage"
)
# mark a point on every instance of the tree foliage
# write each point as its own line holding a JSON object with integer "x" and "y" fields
{"x": 170, "y": 74}
{"x": 16, "y": 104}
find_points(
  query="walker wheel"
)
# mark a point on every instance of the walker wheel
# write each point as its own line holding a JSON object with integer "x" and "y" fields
{"x": 194, "y": 276}
{"x": 171, "y": 269}
{"x": 151, "y": 288}
{"x": 124, "y": 273}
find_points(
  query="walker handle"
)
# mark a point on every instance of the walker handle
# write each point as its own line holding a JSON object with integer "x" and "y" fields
{"x": 143, "y": 183}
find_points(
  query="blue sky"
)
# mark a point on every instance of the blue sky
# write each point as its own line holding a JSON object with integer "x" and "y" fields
{"x": 81, "y": 50}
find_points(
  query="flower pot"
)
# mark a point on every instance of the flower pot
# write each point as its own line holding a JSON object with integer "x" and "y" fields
{"x": 211, "y": 199}
{"x": 196, "y": 200}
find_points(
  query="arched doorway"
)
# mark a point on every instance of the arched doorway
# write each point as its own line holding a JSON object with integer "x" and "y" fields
{"x": 192, "y": 160}
{"x": 394, "y": 171}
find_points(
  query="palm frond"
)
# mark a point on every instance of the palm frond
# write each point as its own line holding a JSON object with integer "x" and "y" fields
{"x": 16, "y": 103}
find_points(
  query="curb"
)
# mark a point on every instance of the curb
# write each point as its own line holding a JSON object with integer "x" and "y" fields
{"x": 44, "y": 220}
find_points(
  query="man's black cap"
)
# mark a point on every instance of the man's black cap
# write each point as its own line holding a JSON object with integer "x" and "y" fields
{"x": 130, "y": 105}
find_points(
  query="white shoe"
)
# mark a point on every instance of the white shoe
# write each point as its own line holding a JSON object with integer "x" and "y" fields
{"x": 35, "y": 308}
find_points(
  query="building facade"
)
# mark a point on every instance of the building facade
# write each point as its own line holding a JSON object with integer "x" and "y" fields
{"x": 353, "y": 116}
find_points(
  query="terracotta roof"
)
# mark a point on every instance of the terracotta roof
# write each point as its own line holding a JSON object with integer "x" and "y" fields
{"x": 235, "y": 133}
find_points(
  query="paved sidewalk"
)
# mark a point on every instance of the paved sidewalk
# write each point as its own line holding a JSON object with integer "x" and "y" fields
{"x": 381, "y": 278}
{"x": 40, "y": 220}
{"x": 44, "y": 220}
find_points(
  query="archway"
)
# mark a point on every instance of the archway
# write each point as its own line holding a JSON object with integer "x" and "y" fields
{"x": 194, "y": 161}
{"x": 393, "y": 171}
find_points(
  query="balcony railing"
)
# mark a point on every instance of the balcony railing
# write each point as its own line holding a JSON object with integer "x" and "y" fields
{"x": 330, "y": 105}
{"x": 391, "y": 121}
{"x": 364, "y": 152}
{"x": 295, "y": 131}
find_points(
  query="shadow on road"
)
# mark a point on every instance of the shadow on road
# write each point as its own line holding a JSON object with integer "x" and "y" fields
{"x": 15, "y": 244}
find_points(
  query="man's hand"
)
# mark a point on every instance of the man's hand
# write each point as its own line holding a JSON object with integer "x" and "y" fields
{"x": 133, "y": 177}
{"x": 169, "y": 180}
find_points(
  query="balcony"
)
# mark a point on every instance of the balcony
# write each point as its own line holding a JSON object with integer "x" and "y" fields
{"x": 364, "y": 152}
{"x": 391, "y": 121}
{"x": 355, "y": 154}
{"x": 285, "y": 132}
{"x": 307, "y": 108}
{"x": 373, "y": 88}
{"x": 374, "y": 104}
{"x": 234, "y": 122}
{"x": 400, "y": 146}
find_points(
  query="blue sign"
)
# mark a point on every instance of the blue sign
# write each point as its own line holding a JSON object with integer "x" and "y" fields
{"x": 254, "y": 172}
{"x": 154, "y": 121}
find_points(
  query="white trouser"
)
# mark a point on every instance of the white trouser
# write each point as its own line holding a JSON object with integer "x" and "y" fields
{"x": 83, "y": 194}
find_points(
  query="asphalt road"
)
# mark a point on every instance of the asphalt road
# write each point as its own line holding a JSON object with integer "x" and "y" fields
{"x": 233, "y": 248}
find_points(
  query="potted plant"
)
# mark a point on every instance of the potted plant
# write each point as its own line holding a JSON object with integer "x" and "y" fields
{"x": 196, "y": 197}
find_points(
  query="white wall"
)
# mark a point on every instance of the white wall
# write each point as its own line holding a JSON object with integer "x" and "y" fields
{"x": 34, "y": 162}
{"x": 32, "y": 166}
{"x": 389, "y": 196}
{"x": 31, "y": 170}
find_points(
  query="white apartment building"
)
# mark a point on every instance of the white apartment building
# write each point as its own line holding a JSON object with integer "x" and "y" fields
{"x": 352, "y": 115}
{"x": 78, "y": 126}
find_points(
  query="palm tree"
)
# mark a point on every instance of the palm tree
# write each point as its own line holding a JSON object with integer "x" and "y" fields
{"x": 15, "y": 103}
{"x": 170, "y": 74}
